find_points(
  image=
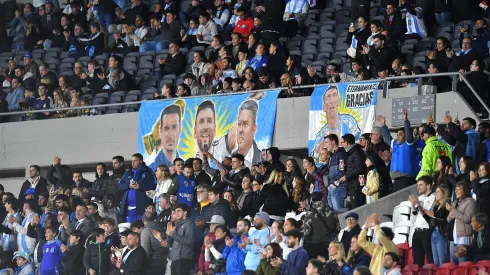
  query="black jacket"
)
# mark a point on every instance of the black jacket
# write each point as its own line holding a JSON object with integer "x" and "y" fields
{"x": 136, "y": 262}
{"x": 62, "y": 178}
{"x": 479, "y": 42}
{"x": 172, "y": 31}
{"x": 141, "y": 9}
{"x": 174, "y": 64}
{"x": 347, "y": 237}
{"x": 379, "y": 59}
{"x": 203, "y": 177}
{"x": 481, "y": 188}
{"x": 272, "y": 17}
{"x": 480, "y": 253}
{"x": 361, "y": 37}
{"x": 395, "y": 27}
{"x": 355, "y": 165}
{"x": 41, "y": 187}
{"x": 479, "y": 81}
{"x": 99, "y": 187}
{"x": 73, "y": 260}
{"x": 97, "y": 257}
{"x": 245, "y": 203}
{"x": 234, "y": 181}
{"x": 275, "y": 199}
{"x": 222, "y": 207}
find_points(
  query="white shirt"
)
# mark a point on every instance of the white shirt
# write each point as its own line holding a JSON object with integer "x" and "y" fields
{"x": 426, "y": 203}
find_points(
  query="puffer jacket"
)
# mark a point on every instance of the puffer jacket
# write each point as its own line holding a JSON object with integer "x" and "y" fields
{"x": 100, "y": 185}
{"x": 355, "y": 165}
{"x": 154, "y": 251}
{"x": 235, "y": 257}
{"x": 97, "y": 257}
{"x": 222, "y": 207}
{"x": 183, "y": 241}
{"x": 465, "y": 209}
{"x": 275, "y": 199}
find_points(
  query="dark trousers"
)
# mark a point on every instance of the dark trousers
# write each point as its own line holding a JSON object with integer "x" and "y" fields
{"x": 291, "y": 28}
{"x": 421, "y": 247}
{"x": 402, "y": 182}
{"x": 268, "y": 37}
{"x": 181, "y": 267}
{"x": 356, "y": 197}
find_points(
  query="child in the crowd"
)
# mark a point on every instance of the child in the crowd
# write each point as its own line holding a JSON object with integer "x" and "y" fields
{"x": 111, "y": 239}
{"x": 24, "y": 266}
{"x": 73, "y": 255}
{"x": 371, "y": 188}
{"x": 91, "y": 239}
{"x": 97, "y": 255}
{"x": 189, "y": 38}
{"x": 51, "y": 263}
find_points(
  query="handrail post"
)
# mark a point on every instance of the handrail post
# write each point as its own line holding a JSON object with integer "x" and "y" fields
{"x": 385, "y": 89}
{"x": 454, "y": 83}
{"x": 419, "y": 86}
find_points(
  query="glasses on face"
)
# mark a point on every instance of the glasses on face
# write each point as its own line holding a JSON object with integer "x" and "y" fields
{"x": 350, "y": 219}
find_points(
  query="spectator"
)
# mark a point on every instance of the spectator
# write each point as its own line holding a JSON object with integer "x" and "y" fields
{"x": 431, "y": 152}
{"x": 9, "y": 241}
{"x": 336, "y": 259}
{"x": 358, "y": 38}
{"x": 294, "y": 16}
{"x": 443, "y": 173}
{"x": 74, "y": 47}
{"x": 226, "y": 69}
{"x": 355, "y": 169}
{"x": 260, "y": 58}
{"x": 96, "y": 258}
{"x": 377, "y": 251}
{"x": 480, "y": 187}
{"x": 214, "y": 250}
{"x": 95, "y": 43}
{"x": 102, "y": 181}
{"x": 377, "y": 56}
{"x": 182, "y": 240}
{"x": 232, "y": 253}
{"x": 190, "y": 38}
{"x": 246, "y": 198}
{"x": 422, "y": 235}
{"x": 478, "y": 79}
{"x": 352, "y": 229}
{"x": 164, "y": 181}
{"x": 480, "y": 246}
{"x": 356, "y": 256}
{"x": 175, "y": 61}
{"x": 460, "y": 214}
{"x": 172, "y": 29}
{"x": 24, "y": 242}
{"x": 265, "y": 267}
{"x": 134, "y": 262}
{"x": 271, "y": 16}
{"x": 183, "y": 186}
{"x": 414, "y": 19}
{"x": 216, "y": 220}
{"x": 371, "y": 189}
{"x": 439, "y": 225}
{"x": 484, "y": 149}
{"x": 439, "y": 55}
{"x": 58, "y": 103}
{"x": 259, "y": 236}
{"x": 393, "y": 22}
{"x": 199, "y": 66}
{"x": 207, "y": 29}
{"x": 441, "y": 82}
{"x": 315, "y": 267}
{"x": 51, "y": 263}
{"x": 133, "y": 186}
{"x": 24, "y": 266}
{"x": 463, "y": 58}
{"x": 137, "y": 8}
{"x": 321, "y": 225}
{"x": 233, "y": 179}
{"x": 220, "y": 206}
{"x": 73, "y": 254}
{"x": 221, "y": 14}
{"x": 390, "y": 264}
{"x": 274, "y": 195}
{"x": 336, "y": 169}
{"x": 83, "y": 224}
{"x": 478, "y": 42}
{"x": 35, "y": 181}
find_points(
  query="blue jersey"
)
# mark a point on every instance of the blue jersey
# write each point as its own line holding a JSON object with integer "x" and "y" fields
{"x": 185, "y": 193}
{"x": 419, "y": 145}
{"x": 51, "y": 263}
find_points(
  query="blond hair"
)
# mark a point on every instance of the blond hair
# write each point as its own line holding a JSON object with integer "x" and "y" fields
{"x": 340, "y": 251}
{"x": 273, "y": 178}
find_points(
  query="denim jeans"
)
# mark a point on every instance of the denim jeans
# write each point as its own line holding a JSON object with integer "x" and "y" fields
{"x": 105, "y": 19}
{"x": 336, "y": 196}
{"x": 443, "y": 17}
{"x": 455, "y": 259}
{"x": 439, "y": 248}
{"x": 154, "y": 46}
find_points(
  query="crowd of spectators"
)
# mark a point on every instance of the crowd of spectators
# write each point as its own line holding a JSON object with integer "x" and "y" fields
{"x": 109, "y": 49}
{"x": 271, "y": 218}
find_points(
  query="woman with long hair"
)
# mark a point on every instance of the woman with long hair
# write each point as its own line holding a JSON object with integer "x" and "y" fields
{"x": 460, "y": 215}
{"x": 101, "y": 184}
{"x": 443, "y": 171}
{"x": 213, "y": 254}
{"x": 466, "y": 165}
{"x": 273, "y": 251}
{"x": 167, "y": 91}
{"x": 299, "y": 191}
{"x": 164, "y": 180}
{"x": 481, "y": 187}
{"x": 108, "y": 207}
{"x": 200, "y": 65}
{"x": 274, "y": 195}
{"x": 59, "y": 103}
{"x": 357, "y": 256}
{"x": 235, "y": 213}
{"x": 373, "y": 180}
{"x": 336, "y": 260}
{"x": 205, "y": 84}
{"x": 439, "y": 225}
{"x": 292, "y": 170}
{"x": 96, "y": 42}
{"x": 64, "y": 84}
{"x": 183, "y": 90}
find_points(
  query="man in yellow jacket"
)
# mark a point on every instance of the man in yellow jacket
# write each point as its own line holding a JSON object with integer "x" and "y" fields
{"x": 377, "y": 252}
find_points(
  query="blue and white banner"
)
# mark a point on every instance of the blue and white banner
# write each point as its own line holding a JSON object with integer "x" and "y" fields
{"x": 221, "y": 125}
{"x": 341, "y": 109}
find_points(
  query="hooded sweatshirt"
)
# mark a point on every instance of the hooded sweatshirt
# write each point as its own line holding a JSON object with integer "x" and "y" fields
{"x": 276, "y": 163}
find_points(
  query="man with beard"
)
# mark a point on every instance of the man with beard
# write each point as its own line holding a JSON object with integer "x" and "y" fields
{"x": 232, "y": 253}
{"x": 261, "y": 223}
{"x": 484, "y": 151}
{"x": 170, "y": 127}
{"x": 338, "y": 124}
{"x": 183, "y": 186}
{"x": 297, "y": 258}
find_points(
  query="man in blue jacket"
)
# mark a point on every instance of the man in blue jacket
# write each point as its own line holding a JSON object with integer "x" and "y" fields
{"x": 133, "y": 186}
{"x": 297, "y": 258}
{"x": 233, "y": 254}
{"x": 337, "y": 191}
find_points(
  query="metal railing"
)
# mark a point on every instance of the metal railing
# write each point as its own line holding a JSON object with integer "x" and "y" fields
{"x": 384, "y": 80}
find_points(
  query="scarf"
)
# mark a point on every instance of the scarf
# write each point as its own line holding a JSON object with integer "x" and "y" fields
{"x": 34, "y": 181}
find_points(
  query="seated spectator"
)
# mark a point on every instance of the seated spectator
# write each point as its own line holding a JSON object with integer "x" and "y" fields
{"x": 138, "y": 8}
{"x": 199, "y": 66}
{"x": 73, "y": 254}
{"x": 58, "y": 103}
{"x": 273, "y": 251}
{"x": 480, "y": 187}
{"x": 391, "y": 263}
{"x": 245, "y": 23}
{"x": 120, "y": 81}
{"x": 23, "y": 261}
{"x": 439, "y": 55}
{"x": 336, "y": 259}
{"x": 118, "y": 19}
{"x": 414, "y": 20}
{"x": 358, "y": 38}
{"x": 442, "y": 83}
{"x": 478, "y": 42}
{"x": 95, "y": 43}
{"x": 478, "y": 80}
{"x": 377, "y": 251}
{"x": 120, "y": 46}
{"x": 463, "y": 58}
{"x": 294, "y": 16}
{"x": 221, "y": 15}
{"x": 77, "y": 16}
{"x": 172, "y": 28}
{"x": 175, "y": 61}
{"x": 207, "y": 29}
{"x": 461, "y": 212}
{"x": 260, "y": 58}
{"x": 189, "y": 39}
{"x": 183, "y": 90}
{"x": 16, "y": 95}
{"x": 242, "y": 62}
{"x": 480, "y": 245}
{"x": 96, "y": 258}
{"x": 42, "y": 102}
{"x": 356, "y": 255}
{"x": 169, "y": 6}
{"x": 236, "y": 85}
{"x": 74, "y": 47}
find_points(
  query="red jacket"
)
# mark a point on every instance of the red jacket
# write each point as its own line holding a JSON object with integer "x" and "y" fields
{"x": 244, "y": 27}
{"x": 203, "y": 266}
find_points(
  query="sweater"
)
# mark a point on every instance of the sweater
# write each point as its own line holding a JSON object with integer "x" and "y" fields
{"x": 265, "y": 268}
{"x": 296, "y": 263}
{"x": 377, "y": 252}
{"x": 51, "y": 263}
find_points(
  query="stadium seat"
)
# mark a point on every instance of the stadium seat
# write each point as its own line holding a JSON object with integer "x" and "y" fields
{"x": 427, "y": 269}
{"x": 98, "y": 101}
{"x": 402, "y": 252}
{"x": 130, "y": 98}
{"x": 113, "y": 109}
{"x": 483, "y": 263}
{"x": 401, "y": 213}
{"x": 342, "y": 16}
{"x": 442, "y": 271}
{"x": 466, "y": 264}
{"x": 147, "y": 96}
{"x": 411, "y": 269}
{"x": 461, "y": 270}
{"x": 294, "y": 45}
{"x": 427, "y": 43}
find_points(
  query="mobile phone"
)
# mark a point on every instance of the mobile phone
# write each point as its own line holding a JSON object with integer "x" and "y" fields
{"x": 448, "y": 200}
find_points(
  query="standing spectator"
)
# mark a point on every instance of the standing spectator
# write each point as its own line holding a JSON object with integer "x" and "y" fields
{"x": 439, "y": 55}
{"x": 9, "y": 239}
{"x": 337, "y": 190}
{"x": 52, "y": 254}
{"x": 478, "y": 42}
{"x": 358, "y": 38}
{"x": 220, "y": 206}
{"x": 393, "y": 22}
{"x": 164, "y": 181}
{"x": 483, "y": 154}
{"x": 35, "y": 181}
{"x": 421, "y": 241}
{"x": 271, "y": 16}
{"x": 478, "y": 80}
{"x": 432, "y": 150}
{"x": 460, "y": 215}
{"x": 73, "y": 254}
{"x": 355, "y": 170}
{"x": 133, "y": 186}
{"x": 95, "y": 43}
{"x": 480, "y": 187}
{"x": 274, "y": 195}
{"x": 415, "y": 21}
{"x": 257, "y": 239}
{"x": 321, "y": 226}
{"x": 265, "y": 267}
{"x": 96, "y": 258}
{"x": 221, "y": 15}
{"x": 233, "y": 179}
{"x": 439, "y": 225}
{"x": 183, "y": 186}
{"x": 214, "y": 250}
{"x": 134, "y": 258}
{"x": 182, "y": 240}
{"x": 371, "y": 189}
{"x": 24, "y": 242}
{"x": 377, "y": 251}
{"x": 99, "y": 187}
{"x": 352, "y": 229}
